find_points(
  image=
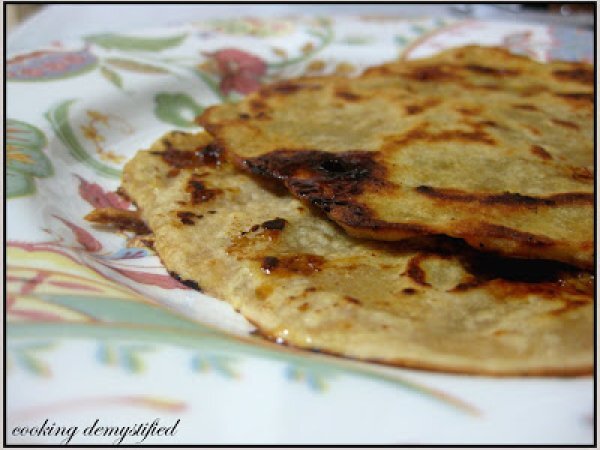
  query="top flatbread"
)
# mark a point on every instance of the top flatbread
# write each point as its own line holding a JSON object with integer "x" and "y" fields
{"x": 473, "y": 143}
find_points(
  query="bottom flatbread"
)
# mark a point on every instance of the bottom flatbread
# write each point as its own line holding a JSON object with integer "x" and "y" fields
{"x": 427, "y": 303}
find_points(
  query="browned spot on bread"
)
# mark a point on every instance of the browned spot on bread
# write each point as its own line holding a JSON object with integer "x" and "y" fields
{"x": 568, "y": 306}
{"x": 487, "y": 123}
{"x": 432, "y": 73}
{"x": 582, "y": 174}
{"x": 517, "y": 278}
{"x": 493, "y": 71}
{"x": 269, "y": 263}
{"x": 466, "y": 285}
{"x": 209, "y": 155}
{"x": 415, "y": 272}
{"x": 358, "y": 216}
{"x": 507, "y": 198}
{"x": 502, "y": 289}
{"x": 263, "y": 291}
{"x": 413, "y": 109}
{"x": 257, "y": 105}
{"x": 246, "y": 243}
{"x": 566, "y": 124}
{"x": 534, "y": 90}
{"x": 503, "y": 332}
{"x": 303, "y": 307}
{"x": 522, "y": 237}
{"x": 302, "y": 263}
{"x": 199, "y": 192}
{"x": 506, "y": 277}
{"x": 540, "y": 151}
{"x": 409, "y": 291}
{"x": 525, "y": 107}
{"x": 533, "y": 129}
{"x": 352, "y": 300}
{"x": 469, "y": 111}
{"x": 270, "y": 228}
{"x": 187, "y": 217}
{"x": 421, "y": 134}
{"x": 490, "y": 87}
{"x": 379, "y": 70}
{"x": 579, "y": 74}
{"x": 275, "y": 224}
{"x": 419, "y": 108}
{"x": 141, "y": 240}
{"x": 121, "y": 219}
{"x": 577, "y": 96}
{"x": 347, "y": 95}
{"x": 288, "y": 87}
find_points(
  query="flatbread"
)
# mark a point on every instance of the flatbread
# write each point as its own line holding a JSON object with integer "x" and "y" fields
{"x": 428, "y": 302}
{"x": 474, "y": 143}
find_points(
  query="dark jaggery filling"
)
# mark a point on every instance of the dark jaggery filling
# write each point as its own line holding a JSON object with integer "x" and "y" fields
{"x": 325, "y": 179}
{"x": 209, "y": 155}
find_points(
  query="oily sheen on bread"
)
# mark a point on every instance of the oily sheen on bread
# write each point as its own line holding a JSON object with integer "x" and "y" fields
{"x": 428, "y": 302}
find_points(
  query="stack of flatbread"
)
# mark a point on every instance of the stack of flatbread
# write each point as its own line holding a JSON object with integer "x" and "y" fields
{"x": 436, "y": 213}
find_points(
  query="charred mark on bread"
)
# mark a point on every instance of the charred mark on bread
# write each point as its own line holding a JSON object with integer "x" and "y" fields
{"x": 506, "y": 198}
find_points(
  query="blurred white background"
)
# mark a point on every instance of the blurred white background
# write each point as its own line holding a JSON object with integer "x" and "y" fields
{"x": 34, "y": 25}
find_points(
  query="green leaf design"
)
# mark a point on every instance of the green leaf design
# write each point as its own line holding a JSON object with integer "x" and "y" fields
{"x": 324, "y": 36}
{"x": 131, "y": 357}
{"x": 59, "y": 120}
{"x": 211, "y": 83}
{"x": 401, "y": 40}
{"x": 24, "y": 135}
{"x": 128, "y": 356}
{"x": 107, "y": 354}
{"x": 418, "y": 29}
{"x": 37, "y": 163}
{"x": 27, "y": 356}
{"x": 172, "y": 108}
{"x": 18, "y": 185}
{"x": 135, "y": 66}
{"x": 125, "y": 355}
{"x": 221, "y": 364}
{"x": 132, "y": 43}
{"x": 112, "y": 76}
{"x": 24, "y": 158}
{"x": 113, "y": 310}
{"x": 316, "y": 377}
{"x": 358, "y": 40}
{"x": 204, "y": 337}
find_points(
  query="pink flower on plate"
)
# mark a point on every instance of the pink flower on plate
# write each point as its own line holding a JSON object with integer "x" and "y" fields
{"x": 98, "y": 197}
{"x": 240, "y": 71}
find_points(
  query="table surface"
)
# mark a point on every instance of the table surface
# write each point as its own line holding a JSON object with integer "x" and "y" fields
{"x": 64, "y": 22}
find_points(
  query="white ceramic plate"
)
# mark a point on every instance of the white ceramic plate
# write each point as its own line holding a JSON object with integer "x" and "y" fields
{"x": 98, "y": 335}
